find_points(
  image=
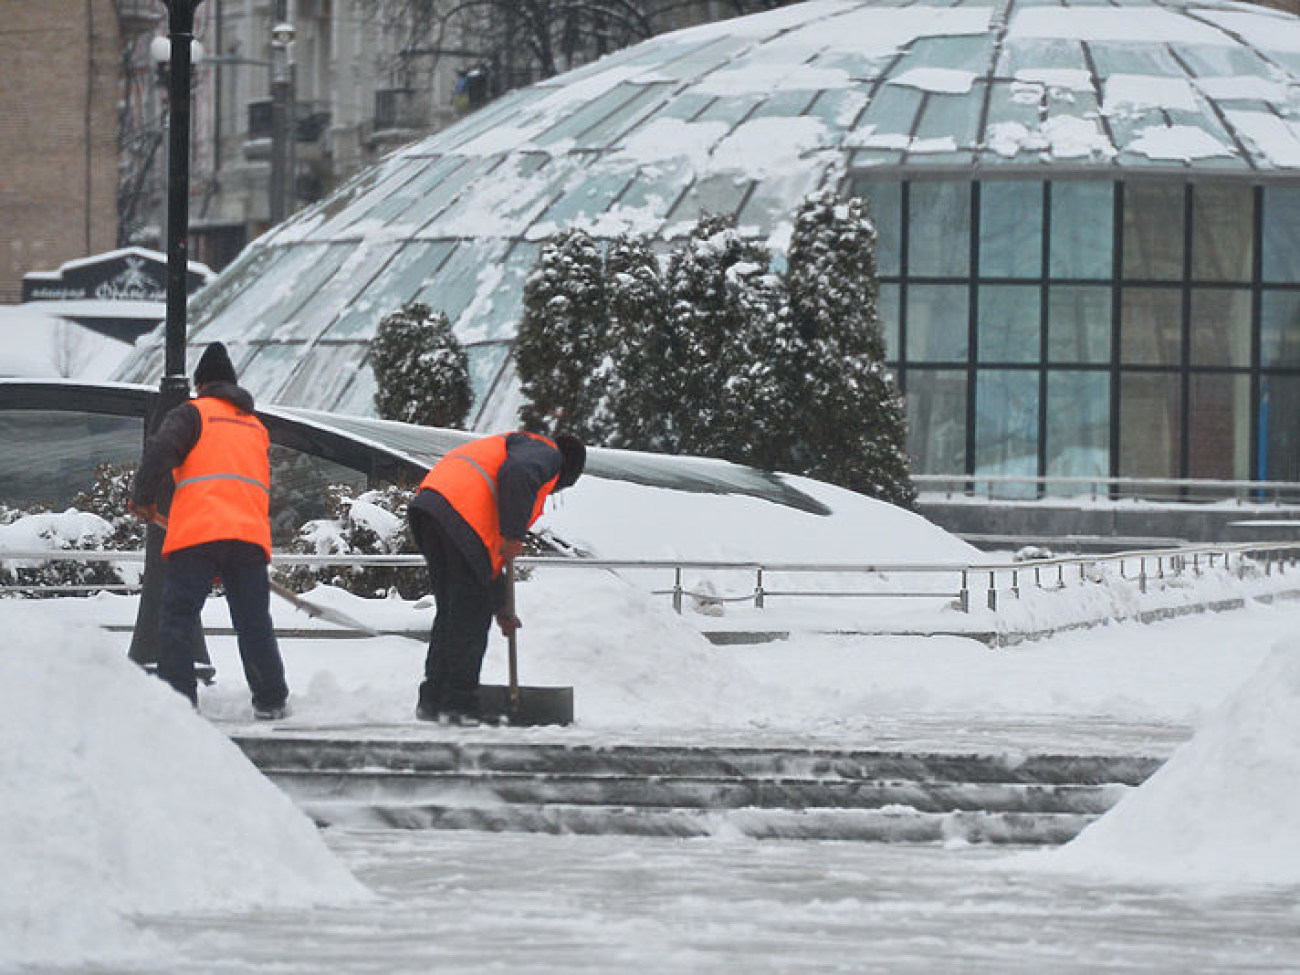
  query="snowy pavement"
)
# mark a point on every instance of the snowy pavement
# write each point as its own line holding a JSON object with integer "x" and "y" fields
{"x": 483, "y": 902}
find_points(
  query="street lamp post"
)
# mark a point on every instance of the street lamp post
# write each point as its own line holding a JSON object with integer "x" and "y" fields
{"x": 174, "y": 388}
{"x": 282, "y": 98}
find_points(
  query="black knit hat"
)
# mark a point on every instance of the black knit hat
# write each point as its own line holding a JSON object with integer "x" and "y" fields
{"x": 214, "y": 366}
{"x": 574, "y": 459}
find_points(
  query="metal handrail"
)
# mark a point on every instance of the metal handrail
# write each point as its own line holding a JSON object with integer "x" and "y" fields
{"x": 1002, "y": 576}
{"x": 1176, "y": 488}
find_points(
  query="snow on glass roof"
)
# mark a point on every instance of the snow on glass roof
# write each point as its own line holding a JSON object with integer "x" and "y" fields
{"x": 743, "y": 117}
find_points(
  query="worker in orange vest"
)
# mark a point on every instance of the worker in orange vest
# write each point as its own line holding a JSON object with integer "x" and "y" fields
{"x": 469, "y": 519}
{"x": 212, "y": 452}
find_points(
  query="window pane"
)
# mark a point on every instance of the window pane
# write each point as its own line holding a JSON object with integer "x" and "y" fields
{"x": 1151, "y": 328}
{"x": 1279, "y": 339}
{"x": 1006, "y": 426}
{"x": 1218, "y": 424}
{"x": 47, "y": 457}
{"x": 1153, "y": 231}
{"x": 936, "y": 420}
{"x": 1078, "y": 328}
{"x": 939, "y": 229}
{"x": 1220, "y": 328}
{"x": 1078, "y": 425}
{"x": 1008, "y": 326}
{"x": 1223, "y": 236}
{"x": 1281, "y": 237}
{"x": 1011, "y": 229}
{"x": 1082, "y": 239}
{"x": 887, "y": 305}
{"x": 1150, "y": 430}
{"x": 937, "y": 322}
{"x": 1279, "y": 428}
{"x": 885, "y": 205}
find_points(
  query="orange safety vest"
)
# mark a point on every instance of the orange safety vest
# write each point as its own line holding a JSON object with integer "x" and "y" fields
{"x": 223, "y": 488}
{"x": 467, "y": 478}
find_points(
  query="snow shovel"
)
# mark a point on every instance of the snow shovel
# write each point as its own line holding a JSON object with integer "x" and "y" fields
{"x": 524, "y": 706}
{"x": 318, "y": 611}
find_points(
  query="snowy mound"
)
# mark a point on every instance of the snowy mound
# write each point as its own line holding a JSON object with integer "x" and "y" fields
{"x": 617, "y": 520}
{"x": 1224, "y": 808}
{"x": 116, "y": 799}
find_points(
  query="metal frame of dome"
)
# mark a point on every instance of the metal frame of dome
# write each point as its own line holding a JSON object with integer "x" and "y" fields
{"x": 744, "y": 117}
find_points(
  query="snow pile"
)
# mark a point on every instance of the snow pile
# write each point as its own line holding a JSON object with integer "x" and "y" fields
{"x": 53, "y": 347}
{"x": 1224, "y": 809}
{"x": 115, "y": 800}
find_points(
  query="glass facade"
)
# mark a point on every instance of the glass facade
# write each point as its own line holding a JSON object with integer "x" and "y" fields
{"x": 1143, "y": 328}
{"x": 1088, "y": 235}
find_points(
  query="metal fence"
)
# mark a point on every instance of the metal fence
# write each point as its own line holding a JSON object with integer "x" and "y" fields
{"x": 966, "y": 584}
{"x": 1011, "y": 487}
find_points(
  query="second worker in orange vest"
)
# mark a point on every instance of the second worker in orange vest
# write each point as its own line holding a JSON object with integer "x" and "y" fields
{"x": 469, "y": 519}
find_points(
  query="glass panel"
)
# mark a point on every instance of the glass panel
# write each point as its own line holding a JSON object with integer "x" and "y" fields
{"x": 268, "y": 369}
{"x": 1223, "y": 233}
{"x": 322, "y": 374}
{"x": 454, "y": 285}
{"x": 251, "y": 267}
{"x": 1006, "y": 427}
{"x": 338, "y": 292}
{"x": 435, "y": 185}
{"x": 1150, "y": 412}
{"x": 499, "y": 301}
{"x": 359, "y": 397}
{"x": 484, "y": 362}
{"x": 1151, "y": 327}
{"x": 1220, "y": 327}
{"x": 397, "y": 284}
{"x": 1078, "y": 324}
{"x": 1218, "y": 425}
{"x": 720, "y": 194}
{"x": 938, "y": 318}
{"x": 1279, "y": 329}
{"x": 261, "y": 309}
{"x": 1282, "y": 234}
{"x": 1011, "y": 229}
{"x": 1009, "y": 323}
{"x": 617, "y": 101}
{"x": 47, "y": 457}
{"x": 885, "y": 204}
{"x": 951, "y": 119}
{"x": 1279, "y": 428}
{"x": 1078, "y": 426}
{"x": 936, "y": 420}
{"x": 1153, "y": 231}
{"x": 887, "y": 303}
{"x": 581, "y": 205}
{"x": 938, "y": 225}
{"x": 1082, "y": 239}
{"x": 771, "y": 202}
{"x": 364, "y": 192}
{"x": 609, "y": 130}
{"x": 299, "y": 483}
{"x": 505, "y": 198}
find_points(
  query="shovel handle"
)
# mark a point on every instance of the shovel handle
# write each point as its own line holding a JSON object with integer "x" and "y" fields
{"x": 511, "y": 641}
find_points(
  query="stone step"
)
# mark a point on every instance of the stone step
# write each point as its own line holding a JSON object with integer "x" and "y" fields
{"x": 861, "y": 825}
{"x": 287, "y": 751}
{"x": 695, "y": 792}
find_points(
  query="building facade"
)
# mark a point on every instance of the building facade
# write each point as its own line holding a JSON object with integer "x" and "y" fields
{"x": 58, "y": 134}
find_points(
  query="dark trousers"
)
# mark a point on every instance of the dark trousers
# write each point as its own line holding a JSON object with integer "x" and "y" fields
{"x": 458, "y": 638}
{"x": 186, "y": 582}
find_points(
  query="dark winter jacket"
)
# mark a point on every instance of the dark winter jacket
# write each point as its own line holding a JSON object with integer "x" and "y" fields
{"x": 530, "y": 465}
{"x": 172, "y": 443}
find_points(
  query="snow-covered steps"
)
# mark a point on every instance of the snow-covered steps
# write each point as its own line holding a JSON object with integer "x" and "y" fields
{"x": 684, "y": 791}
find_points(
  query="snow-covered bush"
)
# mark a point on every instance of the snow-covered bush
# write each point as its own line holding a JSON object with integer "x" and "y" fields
{"x": 370, "y": 523}
{"x": 66, "y": 531}
{"x": 421, "y": 370}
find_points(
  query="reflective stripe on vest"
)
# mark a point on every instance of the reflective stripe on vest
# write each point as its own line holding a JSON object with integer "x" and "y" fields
{"x": 467, "y": 478}
{"x": 223, "y": 486}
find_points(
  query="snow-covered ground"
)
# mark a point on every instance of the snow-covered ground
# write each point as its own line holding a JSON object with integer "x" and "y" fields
{"x": 134, "y": 835}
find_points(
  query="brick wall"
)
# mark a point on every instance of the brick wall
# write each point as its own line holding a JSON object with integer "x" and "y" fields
{"x": 59, "y": 66}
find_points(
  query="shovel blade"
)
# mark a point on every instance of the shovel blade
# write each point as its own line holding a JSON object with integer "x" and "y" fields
{"x": 537, "y": 705}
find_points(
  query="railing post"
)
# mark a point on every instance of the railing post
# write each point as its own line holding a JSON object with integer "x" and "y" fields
{"x": 1015, "y": 583}
{"x": 758, "y": 588}
{"x": 1142, "y": 575}
{"x": 677, "y": 589}
{"x": 993, "y": 591}
{"x": 963, "y": 597}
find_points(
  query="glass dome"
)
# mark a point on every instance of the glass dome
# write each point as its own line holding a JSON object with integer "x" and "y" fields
{"x": 1062, "y": 192}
